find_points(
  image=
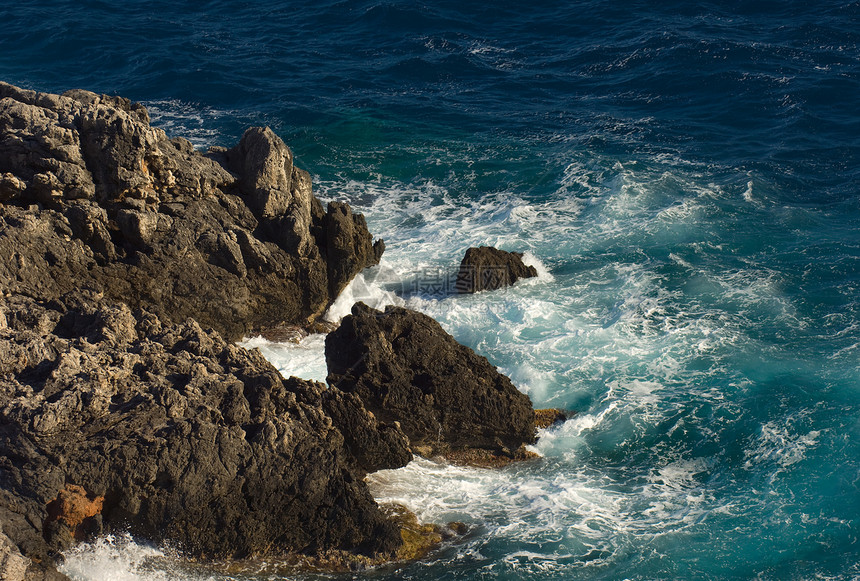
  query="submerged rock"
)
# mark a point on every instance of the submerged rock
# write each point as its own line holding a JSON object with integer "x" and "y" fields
{"x": 92, "y": 196}
{"x": 407, "y": 369}
{"x": 419, "y": 539}
{"x": 116, "y": 420}
{"x": 488, "y": 268}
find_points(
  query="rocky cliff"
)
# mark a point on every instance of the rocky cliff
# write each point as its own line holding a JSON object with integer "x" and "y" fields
{"x": 129, "y": 263}
{"x": 115, "y": 420}
{"x": 94, "y": 197}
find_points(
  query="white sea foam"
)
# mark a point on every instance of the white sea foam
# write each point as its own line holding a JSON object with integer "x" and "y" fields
{"x": 543, "y": 273}
{"x": 550, "y": 334}
{"x": 615, "y": 327}
{"x": 494, "y": 56}
{"x": 304, "y": 358}
{"x": 189, "y": 120}
{"x": 560, "y": 516}
{"x": 607, "y": 332}
{"x": 780, "y": 444}
{"x": 377, "y": 287}
{"x": 748, "y": 193}
{"x": 120, "y": 558}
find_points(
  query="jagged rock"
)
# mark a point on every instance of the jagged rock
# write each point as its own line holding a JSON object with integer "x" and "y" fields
{"x": 13, "y": 565}
{"x": 89, "y": 223}
{"x": 407, "y": 369}
{"x": 348, "y": 242}
{"x": 266, "y": 165}
{"x": 488, "y": 268}
{"x": 92, "y": 196}
{"x": 373, "y": 445}
{"x": 10, "y": 187}
{"x": 121, "y": 410}
{"x": 138, "y": 228}
{"x": 112, "y": 419}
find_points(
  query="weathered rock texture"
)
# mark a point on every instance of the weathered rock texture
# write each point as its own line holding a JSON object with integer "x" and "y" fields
{"x": 112, "y": 419}
{"x": 546, "y": 418}
{"x": 92, "y": 196}
{"x": 406, "y": 368}
{"x": 488, "y": 268}
{"x": 14, "y": 565}
{"x": 120, "y": 409}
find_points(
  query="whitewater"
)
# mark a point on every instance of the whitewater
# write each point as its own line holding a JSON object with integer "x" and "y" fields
{"x": 683, "y": 175}
{"x": 667, "y": 351}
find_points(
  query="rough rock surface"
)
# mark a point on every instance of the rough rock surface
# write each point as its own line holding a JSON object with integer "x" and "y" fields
{"x": 13, "y": 565}
{"x": 407, "y": 369}
{"x": 92, "y": 196}
{"x": 488, "y": 268}
{"x": 549, "y": 417}
{"x": 116, "y": 420}
{"x": 120, "y": 409}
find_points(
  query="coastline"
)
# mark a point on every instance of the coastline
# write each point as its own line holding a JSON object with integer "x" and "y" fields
{"x": 134, "y": 263}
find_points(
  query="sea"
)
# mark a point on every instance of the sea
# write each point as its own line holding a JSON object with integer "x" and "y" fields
{"x": 685, "y": 177}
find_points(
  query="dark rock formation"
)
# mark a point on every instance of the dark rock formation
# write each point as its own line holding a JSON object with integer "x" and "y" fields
{"x": 112, "y": 419}
{"x": 92, "y": 196}
{"x": 407, "y": 369}
{"x": 371, "y": 445}
{"x": 121, "y": 410}
{"x": 488, "y": 268}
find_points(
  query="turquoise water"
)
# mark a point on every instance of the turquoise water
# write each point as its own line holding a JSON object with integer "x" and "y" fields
{"x": 684, "y": 175}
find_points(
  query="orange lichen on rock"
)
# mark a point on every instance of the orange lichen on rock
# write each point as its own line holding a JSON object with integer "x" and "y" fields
{"x": 73, "y": 506}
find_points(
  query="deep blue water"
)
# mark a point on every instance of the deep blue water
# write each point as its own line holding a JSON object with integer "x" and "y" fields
{"x": 686, "y": 174}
